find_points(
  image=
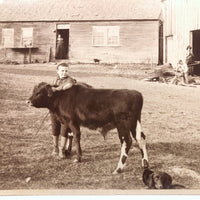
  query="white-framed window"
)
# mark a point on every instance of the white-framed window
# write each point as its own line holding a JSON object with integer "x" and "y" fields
{"x": 105, "y": 36}
{"x": 8, "y": 37}
{"x": 27, "y": 37}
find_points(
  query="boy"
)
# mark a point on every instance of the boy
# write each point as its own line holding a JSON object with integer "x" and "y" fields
{"x": 63, "y": 82}
{"x": 183, "y": 69}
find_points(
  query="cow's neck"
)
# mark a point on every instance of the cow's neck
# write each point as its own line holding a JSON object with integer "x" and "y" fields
{"x": 53, "y": 104}
{"x": 54, "y": 108}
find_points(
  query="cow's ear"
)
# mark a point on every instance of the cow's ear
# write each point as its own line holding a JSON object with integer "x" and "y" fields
{"x": 49, "y": 91}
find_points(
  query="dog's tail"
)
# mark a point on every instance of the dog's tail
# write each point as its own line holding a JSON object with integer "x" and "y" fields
{"x": 176, "y": 186}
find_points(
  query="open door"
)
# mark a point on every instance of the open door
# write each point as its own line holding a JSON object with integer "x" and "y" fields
{"x": 196, "y": 44}
{"x": 62, "y": 41}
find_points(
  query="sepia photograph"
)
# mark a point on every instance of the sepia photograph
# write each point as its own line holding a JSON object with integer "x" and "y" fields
{"x": 99, "y": 97}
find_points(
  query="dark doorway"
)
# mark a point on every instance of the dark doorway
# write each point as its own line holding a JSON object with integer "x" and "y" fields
{"x": 196, "y": 51}
{"x": 196, "y": 44}
{"x": 62, "y": 44}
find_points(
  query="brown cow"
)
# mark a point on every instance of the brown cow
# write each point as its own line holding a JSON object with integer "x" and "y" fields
{"x": 96, "y": 108}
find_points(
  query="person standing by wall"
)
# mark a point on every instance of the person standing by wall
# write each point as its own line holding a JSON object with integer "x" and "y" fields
{"x": 60, "y": 49}
{"x": 189, "y": 59}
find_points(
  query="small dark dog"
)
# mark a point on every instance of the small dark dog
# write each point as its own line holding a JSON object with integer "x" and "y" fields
{"x": 159, "y": 180}
{"x": 156, "y": 180}
{"x": 96, "y": 61}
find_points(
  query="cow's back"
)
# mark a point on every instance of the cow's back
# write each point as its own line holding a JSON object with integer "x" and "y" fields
{"x": 104, "y": 98}
{"x": 101, "y": 106}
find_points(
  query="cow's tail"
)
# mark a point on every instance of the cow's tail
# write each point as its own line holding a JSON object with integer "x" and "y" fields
{"x": 140, "y": 107}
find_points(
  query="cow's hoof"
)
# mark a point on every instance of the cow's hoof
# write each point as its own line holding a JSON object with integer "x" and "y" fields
{"x": 67, "y": 153}
{"x": 145, "y": 163}
{"x": 77, "y": 160}
{"x": 117, "y": 171}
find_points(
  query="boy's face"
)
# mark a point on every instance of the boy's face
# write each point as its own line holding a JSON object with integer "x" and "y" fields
{"x": 62, "y": 71}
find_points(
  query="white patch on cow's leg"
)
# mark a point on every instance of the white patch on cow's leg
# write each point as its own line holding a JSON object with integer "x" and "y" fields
{"x": 140, "y": 137}
{"x": 122, "y": 159}
{"x": 144, "y": 150}
{"x": 69, "y": 144}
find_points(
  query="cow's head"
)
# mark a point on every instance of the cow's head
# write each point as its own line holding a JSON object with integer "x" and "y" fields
{"x": 41, "y": 96}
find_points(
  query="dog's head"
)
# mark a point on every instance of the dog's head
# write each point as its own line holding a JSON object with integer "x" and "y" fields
{"x": 148, "y": 178}
{"x": 162, "y": 180}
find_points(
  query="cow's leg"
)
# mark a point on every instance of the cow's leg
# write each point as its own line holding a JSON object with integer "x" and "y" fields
{"x": 140, "y": 139}
{"x": 77, "y": 136}
{"x": 126, "y": 141}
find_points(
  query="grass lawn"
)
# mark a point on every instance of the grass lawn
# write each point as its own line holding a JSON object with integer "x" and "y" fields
{"x": 170, "y": 121}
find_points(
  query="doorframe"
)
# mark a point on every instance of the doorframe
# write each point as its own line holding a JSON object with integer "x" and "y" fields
{"x": 63, "y": 26}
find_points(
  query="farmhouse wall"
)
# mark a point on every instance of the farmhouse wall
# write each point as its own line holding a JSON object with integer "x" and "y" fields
{"x": 43, "y": 39}
{"x": 138, "y": 42}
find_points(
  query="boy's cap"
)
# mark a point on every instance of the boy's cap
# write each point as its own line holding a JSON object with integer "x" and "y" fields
{"x": 63, "y": 64}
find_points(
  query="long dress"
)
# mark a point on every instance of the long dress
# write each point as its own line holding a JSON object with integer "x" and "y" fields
{"x": 60, "y": 49}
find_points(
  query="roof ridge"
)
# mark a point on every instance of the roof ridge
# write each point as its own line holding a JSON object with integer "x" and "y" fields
{"x": 55, "y": 10}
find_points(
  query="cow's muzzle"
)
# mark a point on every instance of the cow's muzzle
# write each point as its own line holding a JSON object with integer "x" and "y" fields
{"x": 29, "y": 102}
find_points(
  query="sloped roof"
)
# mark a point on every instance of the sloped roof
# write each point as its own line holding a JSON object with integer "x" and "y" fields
{"x": 67, "y": 10}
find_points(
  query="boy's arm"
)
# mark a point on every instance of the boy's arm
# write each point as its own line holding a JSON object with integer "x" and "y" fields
{"x": 68, "y": 83}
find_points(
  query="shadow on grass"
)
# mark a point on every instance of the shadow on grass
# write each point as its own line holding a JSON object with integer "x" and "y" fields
{"x": 98, "y": 163}
{"x": 174, "y": 152}
{"x": 161, "y": 155}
